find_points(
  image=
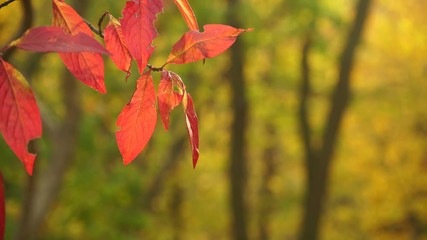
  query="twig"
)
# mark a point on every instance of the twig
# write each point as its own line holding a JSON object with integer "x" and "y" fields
{"x": 94, "y": 29}
{"x": 6, "y": 3}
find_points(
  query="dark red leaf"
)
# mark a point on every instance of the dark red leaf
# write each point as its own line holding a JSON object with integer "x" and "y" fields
{"x": 138, "y": 28}
{"x": 137, "y": 119}
{"x": 115, "y": 43}
{"x": 194, "y": 45}
{"x": 168, "y": 98}
{"x": 2, "y": 209}
{"x": 187, "y": 13}
{"x": 20, "y": 119}
{"x": 54, "y": 39}
{"x": 87, "y": 67}
{"x": 192, "y": 127}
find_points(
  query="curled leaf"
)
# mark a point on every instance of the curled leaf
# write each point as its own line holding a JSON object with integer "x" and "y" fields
{"x": 169, "y": 98}
{"x": 192, "y": 127}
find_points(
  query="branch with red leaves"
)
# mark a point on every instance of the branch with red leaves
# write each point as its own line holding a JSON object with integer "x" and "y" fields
{"x": 126, "y": 39}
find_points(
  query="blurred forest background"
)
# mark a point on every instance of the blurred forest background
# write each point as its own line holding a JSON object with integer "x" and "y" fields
{"x": 313, "y": 126}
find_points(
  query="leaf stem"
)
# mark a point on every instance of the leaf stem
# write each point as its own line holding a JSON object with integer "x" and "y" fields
{"x": 155, "y": 69}
{"x": 6, "y": 3}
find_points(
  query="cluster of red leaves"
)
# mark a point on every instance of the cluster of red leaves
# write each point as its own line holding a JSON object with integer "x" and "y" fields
{"x": 127, "y": 38}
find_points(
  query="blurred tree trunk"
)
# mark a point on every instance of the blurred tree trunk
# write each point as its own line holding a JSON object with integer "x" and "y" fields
{"x": 318, "y": 158}
{"x": 238, "y": 168}
{"x": 44, "y": 186}
{"x": 266, "y": 203}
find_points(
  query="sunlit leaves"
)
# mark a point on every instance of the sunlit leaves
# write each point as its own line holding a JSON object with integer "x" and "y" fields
{"x": 129, "y": 38}
{"x": 115, "y": 43}
{"x": 20, "y": 117}
{"x": 138, "y": 29}
{"x": 194, "y": 46}
{"x": 54, "y": 39}
{"x": 137, "y": 120}
{"x": 85, "y": 66}
{"x": 188, "y": 14}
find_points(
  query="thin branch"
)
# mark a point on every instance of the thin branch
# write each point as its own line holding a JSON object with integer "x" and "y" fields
{"x": 94, "y": 29}
{"x": 6, "y": 3}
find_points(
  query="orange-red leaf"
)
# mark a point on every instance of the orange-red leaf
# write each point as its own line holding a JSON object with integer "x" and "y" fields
{"x": 86, "y": 67}
{"x": 167, "y": 97}
{"x": 192, "y": 127}
{"x": 115, "y": 43}
{"x": 187, "y": 13}
{"x": 138, "y": 28}
{"x": 20, "y": 119}
{"x": 194, "y": 46}
{"x": 2, "y": 209}
{"x": 137, "y": 119}
{"x": 54, "y": 39}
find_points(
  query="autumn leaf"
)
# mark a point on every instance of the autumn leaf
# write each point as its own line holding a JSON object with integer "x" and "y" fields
{"x": 168, "y": 98}
{"x": 115, "y": 43}
{"x": 86, "y": 67}
{"x": 188, "y": 14}
{"x": 194, "y": 45}
{"x": 2, "y": 209}
{"x": 192, "y": 127}
{"x": 137, "y": 119}
{"x": 54, "y": 39}
{"x": 20, "y": 119}
{"x": 138, "y": 28}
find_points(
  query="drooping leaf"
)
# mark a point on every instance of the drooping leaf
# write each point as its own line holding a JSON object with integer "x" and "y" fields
{"x": 192, "y": 127}
{"x": 20, "y": 119}
{"x": 194, "y": 45}
{"x": 167, "y": 97}
{"x": 138, "y": 28}
{"x": 115, "y": 43}
{"x": 187, "y": 13}
{"x": 54, "y": 39}
{"x": 2, "y": 209}
{"x": 86, "y": 67}
{"x": 137, "y": 119}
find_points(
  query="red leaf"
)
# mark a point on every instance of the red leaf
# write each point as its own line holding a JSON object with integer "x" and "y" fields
{"x": 168, "y": 98}
{"x": 138, "y": 28}
{"x": 87, "y": 67}
{"x": 2, "y": 209}
{"x": 187, "y": 13}
{"x": 192, "y": 127}
{"x": 194, "y": 46}
{"x": 54, "y": 39}
{"x": 20, "y": 119}
{"x": 115, "y": 43}
{"x": 137, "y": 119}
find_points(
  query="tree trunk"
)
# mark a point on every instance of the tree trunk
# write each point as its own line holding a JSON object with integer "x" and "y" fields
{"x": 44, "y": 186}
{"x": 318, "y": 160}
{"x": 237, "y": 170}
